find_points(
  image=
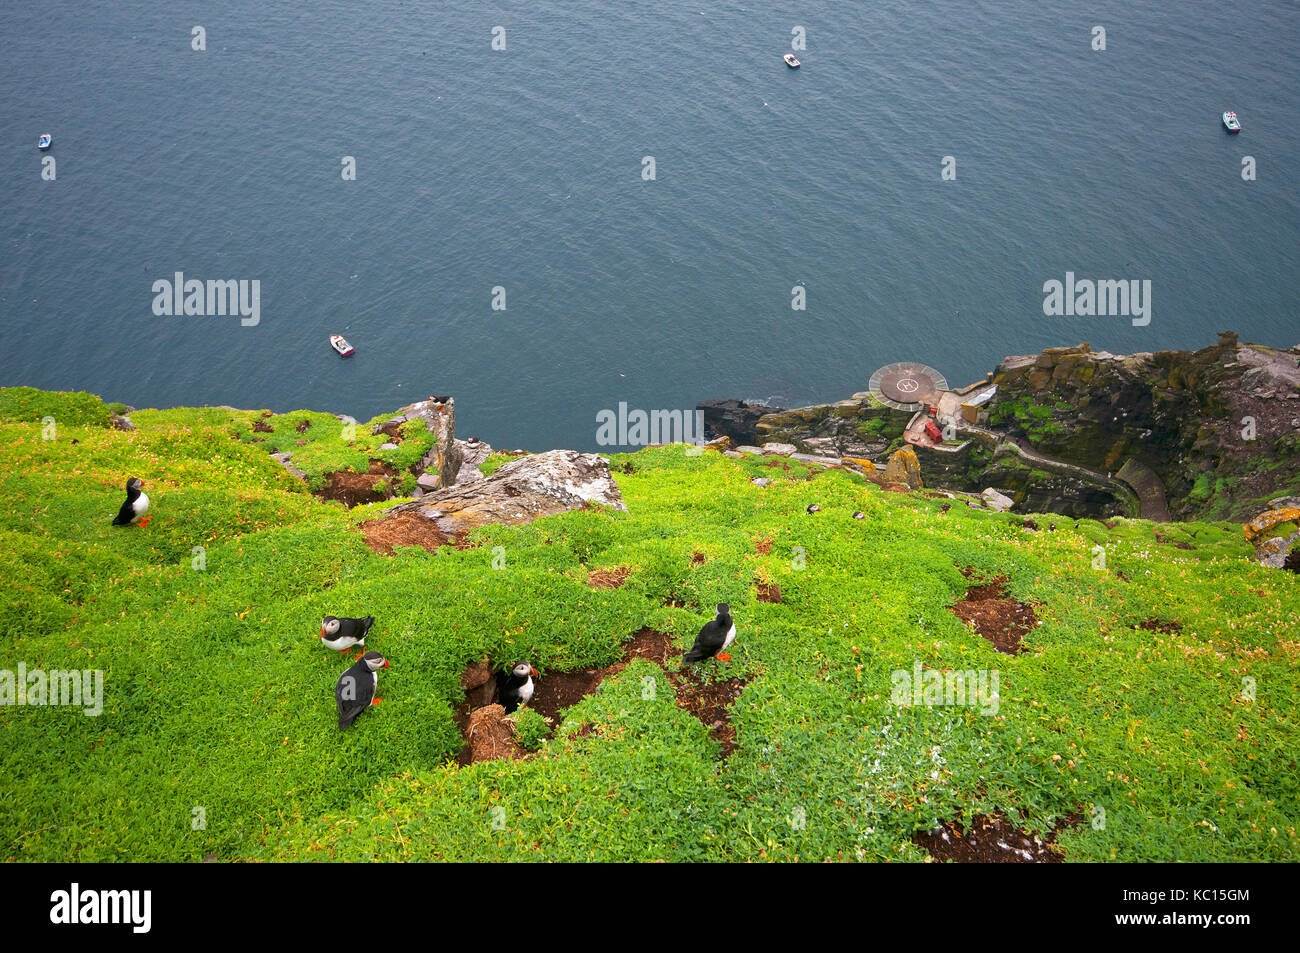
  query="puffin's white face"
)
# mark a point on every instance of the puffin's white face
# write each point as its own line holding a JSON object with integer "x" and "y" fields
{"x": 523, "y": 670}
{"x": 134, "y": 484}
{"x": 330, "y": 627}
{"x": 374, "y": 661}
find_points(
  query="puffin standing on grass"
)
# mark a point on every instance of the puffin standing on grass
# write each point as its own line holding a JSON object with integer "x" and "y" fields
{"x": 715, "y": 636}
{"x": 355, "y": 691}
{"x": 340, "y": 634}
{"x": 515, "y": 687}
{"x": 136, "y": 505}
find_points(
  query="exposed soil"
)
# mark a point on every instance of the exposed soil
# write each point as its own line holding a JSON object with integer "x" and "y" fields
{"x": 698, "y": 558}
{"x": 490, "y": 736}
{"x": 1001, "y": 620}
{"x": 993, "y": 840}
{"x": 763, "y": 546}
{"x": 303, "y": 426}
{"x": 769, "y": 592}
{"x": 557, "y": 691}
{"x": 261, "y": 426}
{"x": 710, "y": 704}
{"x": 392, "y": 429}
{"x": 355, "y": 488}
{"x": 383, "y": 535}
{"x": 608, "y": 578}
{"x": 1165, "y": 627}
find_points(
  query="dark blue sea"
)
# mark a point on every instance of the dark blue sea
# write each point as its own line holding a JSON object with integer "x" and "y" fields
{"x": 522, "y": 168}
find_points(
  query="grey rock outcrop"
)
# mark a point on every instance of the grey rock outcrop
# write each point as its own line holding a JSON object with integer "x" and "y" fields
{"x": 521, "y": 491}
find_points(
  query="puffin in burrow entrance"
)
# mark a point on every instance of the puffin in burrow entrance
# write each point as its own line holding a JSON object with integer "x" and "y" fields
{"x": 515, "y": 686}
{"x": 716, "y": 635}
{"x": 136, "y": 505}
{"x": 343, "y": 633}
{"x": 355, "y": 691}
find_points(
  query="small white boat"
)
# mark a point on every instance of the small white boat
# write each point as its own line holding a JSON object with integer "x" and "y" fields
{"x": 340, "y": 344}
{"x": 790, "y": 61}
{"x": 44, "y": 141}
{"x": 1230, "y": 122}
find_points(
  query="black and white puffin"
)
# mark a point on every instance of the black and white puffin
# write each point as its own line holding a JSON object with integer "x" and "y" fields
{"x": 515, "y": 686}
{"x": 814, "y": 508}
{"x": 355, "y": 691}
{"x": 715, "y": 636}
{"x": 857, "y": 515}
{"x": 136, "y": 505}
{"x": 340, "y": 634}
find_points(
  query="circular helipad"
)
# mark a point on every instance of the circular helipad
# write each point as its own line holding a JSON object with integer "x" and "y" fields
{"x": 907, "y": 386}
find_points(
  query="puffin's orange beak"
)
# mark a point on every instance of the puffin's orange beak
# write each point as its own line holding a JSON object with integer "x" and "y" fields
{"x": 387, "y": 664}
{"x": 533, "y": 670}
{"x": 322, "y": 630}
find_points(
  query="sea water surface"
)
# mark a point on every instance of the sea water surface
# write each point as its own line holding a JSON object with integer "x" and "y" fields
{"x": 522, "y": 168}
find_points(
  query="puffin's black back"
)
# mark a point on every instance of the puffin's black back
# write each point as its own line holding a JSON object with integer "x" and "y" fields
{"x": 127, "y": 513}
{"x": 713, "y": 635}
{"x": 354, "y": 628}
{"x": 363, "y": 691}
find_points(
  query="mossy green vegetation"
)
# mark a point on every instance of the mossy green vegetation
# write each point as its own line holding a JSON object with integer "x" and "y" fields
{"x": 1159, "y": 697}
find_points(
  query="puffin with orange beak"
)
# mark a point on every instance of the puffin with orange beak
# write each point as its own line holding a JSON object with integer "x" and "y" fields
{"x": 136, "y": 506}
{"x": 355, "y": 691}
{"x": 339, "y": 634}
{"x": 515, "y": 686}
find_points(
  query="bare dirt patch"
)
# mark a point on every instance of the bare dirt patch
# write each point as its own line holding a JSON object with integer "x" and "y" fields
{"x": 710, "y": 702}
{"x": 769, "y": 592}
{"x": 555, "y": 692}
{"x": 1001, "y": 620}
{"x": 354, "y": 488}
{"x": 608, "y": 578}
{"x": 993, "y": 840}
{"x": 303, "y": 426}
{"x": 383, "y": 535}
{"x": 763, "y": 546}
{"x": 490, "y": 736}
{"x": 698, "y": 559}
{"x": 1163, "y": 626}
{"x": 261, "y": 426}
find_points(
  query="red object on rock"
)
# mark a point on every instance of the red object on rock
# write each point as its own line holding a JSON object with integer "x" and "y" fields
{"x": 933, "y": 432}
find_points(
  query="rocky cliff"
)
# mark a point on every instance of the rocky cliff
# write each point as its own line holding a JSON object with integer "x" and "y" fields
{"x": 1219, "y": 428}
{"x": 1209, "y": 434}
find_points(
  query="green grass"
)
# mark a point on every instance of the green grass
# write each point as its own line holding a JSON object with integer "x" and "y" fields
{"x": 219, "y": 697}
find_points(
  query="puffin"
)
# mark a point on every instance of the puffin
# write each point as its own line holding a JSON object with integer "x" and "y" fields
{"x": 857, "y": 515}
{"x": 355, "y": 691}
{"x": 339, "y": 634}
{"x": 515, "y": 686}
{"x": 814, "y": 508}
{"x": 136, "y": 505}
{"x": 715, "y": 636}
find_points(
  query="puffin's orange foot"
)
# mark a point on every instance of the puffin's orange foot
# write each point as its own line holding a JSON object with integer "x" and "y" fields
{"x": 145, "y": 522}
{"x": 723, "y": 657}
{"x": 375, "y": 701}
{"x": 358, "y": 656}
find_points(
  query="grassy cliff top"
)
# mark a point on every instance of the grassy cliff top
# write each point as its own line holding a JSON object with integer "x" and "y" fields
{"x": 1130, "y": 703}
